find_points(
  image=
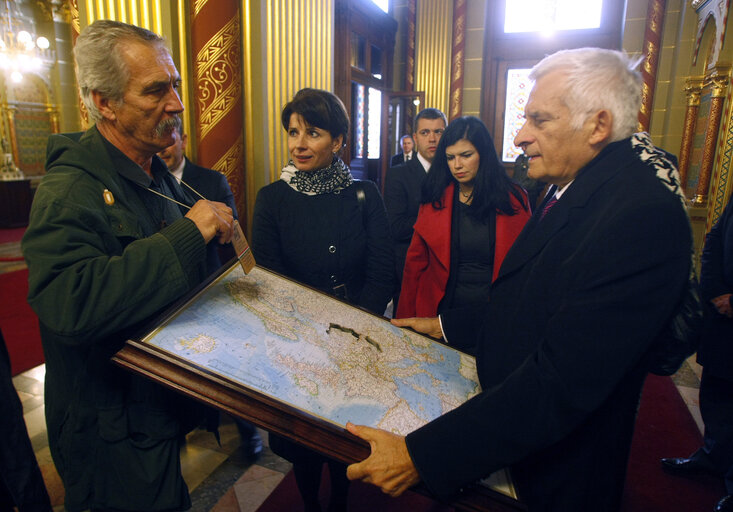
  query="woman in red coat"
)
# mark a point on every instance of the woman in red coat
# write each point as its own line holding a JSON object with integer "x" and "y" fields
{"x": 471, "y": 213}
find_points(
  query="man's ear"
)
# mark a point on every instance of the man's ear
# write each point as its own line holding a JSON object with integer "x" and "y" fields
{"x": 602, "y": 127}
{"x": 104, "y": 105}
{"x": 184, "y": 140}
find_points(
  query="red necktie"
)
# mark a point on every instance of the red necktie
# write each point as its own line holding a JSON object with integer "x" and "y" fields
{"x": 549, "y": 204}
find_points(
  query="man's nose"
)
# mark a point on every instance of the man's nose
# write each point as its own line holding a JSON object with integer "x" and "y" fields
{"x": 522, "y": 138}
{"x": 174, "y": 101}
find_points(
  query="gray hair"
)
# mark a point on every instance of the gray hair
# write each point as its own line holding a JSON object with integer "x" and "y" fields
{"x": 100, "y": 65}
{"x": 597, "y": 79}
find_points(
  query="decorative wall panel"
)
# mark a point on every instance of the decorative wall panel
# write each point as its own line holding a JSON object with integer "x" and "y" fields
{"x": 458, "y": 58}
{"x": 216, "y": 41}
{"x": 432, "y": 52}
{"x": 299, "y": 42}
{"x": 651, "y": 50}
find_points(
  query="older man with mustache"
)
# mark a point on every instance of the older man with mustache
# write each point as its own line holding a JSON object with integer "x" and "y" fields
{"x": 112, "y": 241}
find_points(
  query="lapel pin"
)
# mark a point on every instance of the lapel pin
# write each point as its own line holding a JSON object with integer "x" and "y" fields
{"x": 108, "y": 197}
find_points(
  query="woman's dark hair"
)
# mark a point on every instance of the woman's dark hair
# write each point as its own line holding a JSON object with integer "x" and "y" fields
{"x": 491, "y": 187}
{"x": 319, "y": 108}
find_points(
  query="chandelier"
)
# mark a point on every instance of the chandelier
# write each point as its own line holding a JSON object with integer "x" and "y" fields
{"x": 20, "y": 50}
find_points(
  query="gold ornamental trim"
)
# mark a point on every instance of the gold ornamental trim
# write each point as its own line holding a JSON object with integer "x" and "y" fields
{"x": 645, "y": 92}
{"x": 652, "y": 51}
{"x": 74, "y": 14}
{"x": 222, "y": 105}
{"x": 217, "y": 76}
{"x": 198, "y": 5}
{"x": 460, "y": 30}
{"x": 457, "y": 66}
{"x": 227, "y": 164}
{"x": 220, "y": 43}
{"x": 693, "y": 91}
{"x": 719, "y": 86}
{"x": 656, "y": 15}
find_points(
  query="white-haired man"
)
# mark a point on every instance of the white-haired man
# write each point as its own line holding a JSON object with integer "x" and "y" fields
{"x": 563, "y": 344}
{"x": 107, "y": 249}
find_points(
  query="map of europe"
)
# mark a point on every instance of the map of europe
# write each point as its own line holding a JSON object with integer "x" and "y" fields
{"x": 322, "y": 356}
{"x": 317, "y": 354}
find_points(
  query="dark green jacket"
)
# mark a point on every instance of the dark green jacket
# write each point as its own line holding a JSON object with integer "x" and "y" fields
{"x": 94, "y": 278}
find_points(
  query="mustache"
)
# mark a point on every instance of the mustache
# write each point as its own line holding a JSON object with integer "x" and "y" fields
{"x": 165, "y": 125}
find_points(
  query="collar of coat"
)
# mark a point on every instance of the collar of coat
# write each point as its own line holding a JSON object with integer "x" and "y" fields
{"x": 607, "y": 164}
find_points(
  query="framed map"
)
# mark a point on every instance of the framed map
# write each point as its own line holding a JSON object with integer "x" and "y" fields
{"x": 301, "y": 363}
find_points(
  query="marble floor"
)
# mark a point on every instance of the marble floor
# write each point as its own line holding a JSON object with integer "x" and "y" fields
{"x": 221, "y": 477}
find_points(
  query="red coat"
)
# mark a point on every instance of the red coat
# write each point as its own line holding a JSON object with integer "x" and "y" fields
{"x": 427, "y": 265}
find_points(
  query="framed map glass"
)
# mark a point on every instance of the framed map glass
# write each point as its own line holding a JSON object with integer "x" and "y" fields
{"x": 302, "y": 363}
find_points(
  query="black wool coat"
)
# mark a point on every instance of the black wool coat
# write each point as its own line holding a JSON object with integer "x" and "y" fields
{"x": 327, "y": 240}
{"x": 578, "y": 300}
{"x": 716, "y": 279}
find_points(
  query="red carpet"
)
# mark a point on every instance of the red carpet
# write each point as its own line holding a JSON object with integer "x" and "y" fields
{"x": 664, "y": 428}
{"x": 19, "y": 323}
{"x": 362, "y": 498}
{"x": 11, "y": 235}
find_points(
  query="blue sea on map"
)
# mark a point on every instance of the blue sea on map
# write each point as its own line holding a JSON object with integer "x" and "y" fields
{"x": 317, "y": 354}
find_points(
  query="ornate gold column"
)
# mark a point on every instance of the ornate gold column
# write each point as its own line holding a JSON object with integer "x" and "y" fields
{"x": 693, "y": 89}
{"x": 410, "y": 64}
{"x": 458, "y": 57}
{"x": 10, "y": 119}
{"x": 217, "y": 88}
{"x": 74, "y": 14}
{"x": 718, "y": 82}
{"x": 652, "y": 39}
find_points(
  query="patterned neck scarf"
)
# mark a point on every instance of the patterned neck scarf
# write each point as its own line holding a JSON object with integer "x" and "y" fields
{"x": 334, "y": 178}
{"x": 658, "y": 160}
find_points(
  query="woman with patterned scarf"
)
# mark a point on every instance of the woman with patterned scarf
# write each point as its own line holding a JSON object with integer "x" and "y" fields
{"x": 320, "y": 227}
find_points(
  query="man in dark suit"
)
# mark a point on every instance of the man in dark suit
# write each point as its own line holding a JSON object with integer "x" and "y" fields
{"x": 580, "y": 297}
{"x": 406, "y": 154}
{"x": 403, "y": 185}
{"x": 715, "y": 456}
{"x": 211, "y": 184}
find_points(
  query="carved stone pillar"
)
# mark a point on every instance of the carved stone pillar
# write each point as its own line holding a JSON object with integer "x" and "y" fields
{"x": 458, "y": 57}
{"x": 651, "y": 48}
{"x": 719, "y": 85}
{"x": 693, "y": 89}
{"x": 217, "y": 63}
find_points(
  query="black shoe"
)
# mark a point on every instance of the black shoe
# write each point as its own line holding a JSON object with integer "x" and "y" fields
{"x": 725, "y": 504}
{"x": 253, "y": 446}
{"x": 686, "y": 467}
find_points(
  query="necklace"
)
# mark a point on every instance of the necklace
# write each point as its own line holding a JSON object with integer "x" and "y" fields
{"x": 468, "y": 196}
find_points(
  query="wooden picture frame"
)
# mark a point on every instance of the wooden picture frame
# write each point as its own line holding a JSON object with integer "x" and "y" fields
{"x": 150, "y": 355}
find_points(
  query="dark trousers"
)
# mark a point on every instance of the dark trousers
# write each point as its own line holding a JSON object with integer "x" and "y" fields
{"x": 307, "y": 468}
{"x": 21, "y": 483}
{"x": 716, "y": 408}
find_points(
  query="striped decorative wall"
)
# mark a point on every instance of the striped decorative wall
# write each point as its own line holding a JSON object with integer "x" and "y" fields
{"x": 299, "y": 42}
{"x": 432, "y": 52}
{"x": 143, "y": 13}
